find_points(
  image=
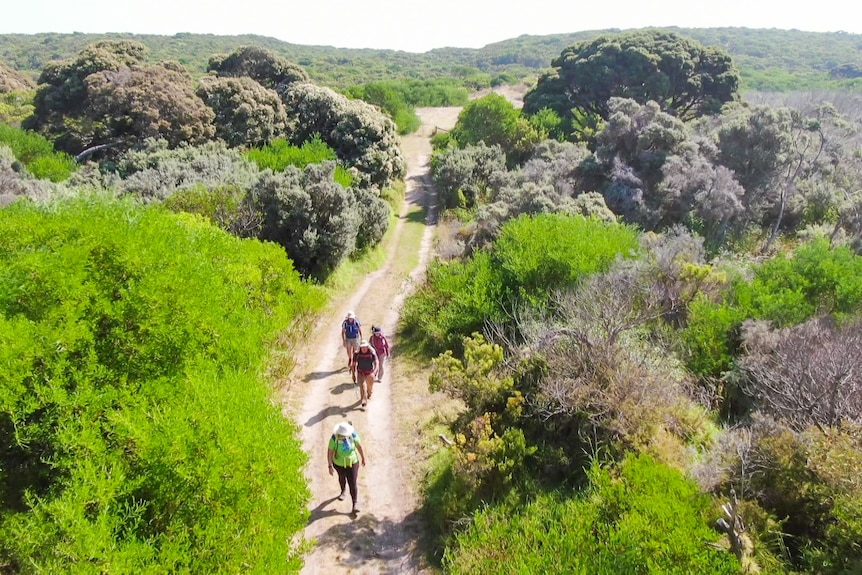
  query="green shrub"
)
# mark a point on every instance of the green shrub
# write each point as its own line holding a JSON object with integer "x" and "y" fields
{"x": 136, "y": 433}
{"x": 37, "y": 154}
{"x": 400, "y": 98}
{"x": 786, "y": 290}
{"x": 539, "y": 254}
{"x": 15, "y": 106}
{"x": 280, "y": 154}
{"x": 534, "y": 256}
{"x": 457, "y": 300}
{"x": 639, "y": 517}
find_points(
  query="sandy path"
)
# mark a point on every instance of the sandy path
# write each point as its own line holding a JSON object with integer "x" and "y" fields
{"x": 383, "y": 537}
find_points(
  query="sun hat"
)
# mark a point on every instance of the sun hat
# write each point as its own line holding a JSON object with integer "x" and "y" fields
{"x": 363, "y": 343}
{"x": 343, "y": 428}
{"x": 350, "y": 315}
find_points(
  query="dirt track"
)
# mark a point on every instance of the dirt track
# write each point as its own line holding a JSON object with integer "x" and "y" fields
{"x": 383, "y": 537}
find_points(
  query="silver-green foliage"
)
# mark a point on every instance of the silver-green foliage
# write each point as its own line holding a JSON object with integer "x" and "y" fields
{"x": 361, "y": 135}
{"x": 310, "y": 215}
{"x": 156, "y": 172}
{"x": 16, "y": 182}
{"x": 246, "y": 113}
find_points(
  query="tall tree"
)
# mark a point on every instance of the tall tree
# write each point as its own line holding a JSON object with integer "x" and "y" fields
{"x": 684, "y": 77}
{"x": 109, "y": 95}
{"x": 264, "y": 67}
{"x": 61, "y": 97}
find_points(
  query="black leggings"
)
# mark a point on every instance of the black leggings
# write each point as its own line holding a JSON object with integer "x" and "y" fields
{"x": 348, "y": 475}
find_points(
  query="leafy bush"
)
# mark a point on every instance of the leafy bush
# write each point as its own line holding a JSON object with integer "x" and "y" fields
{"x": 154, "y": 172}
{"x": 637, "y": 517}
{"x": 17, "y": 182}
{"x": 372, "y": 211}
{"x": 457, "y": 299}
{"x": 310, "y": 215}
{"x": 246, "y": 113}
{"x": 37, "y": 154}
{"x": 534, "y": 256}
{"x": 786, "y": 290}
{"x": 279, "y": 154}
{"x": 15, "y": 106}
{"x": 464, "y": 176}
{"x": 493, "y": 120}
{"x": 136, "y": 434}
{"x": 803, "y": 492}
{"x": 265, "y": 67}
{"x": 539, "y": 254}
{"x": 228, "y": 207}
{"x": 362, "y": 136}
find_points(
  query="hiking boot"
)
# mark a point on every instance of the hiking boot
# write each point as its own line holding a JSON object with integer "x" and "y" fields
{"x": 343, "y": 494}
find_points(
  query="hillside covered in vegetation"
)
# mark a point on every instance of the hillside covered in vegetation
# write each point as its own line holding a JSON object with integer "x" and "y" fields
{"x": 768, "y": 59}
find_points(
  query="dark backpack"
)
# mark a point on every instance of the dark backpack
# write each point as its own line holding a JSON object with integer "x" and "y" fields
{"x": 364, "y": 360}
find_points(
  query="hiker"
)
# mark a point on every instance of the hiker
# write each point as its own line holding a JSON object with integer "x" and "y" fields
{"x": 343, "y": 456}
{"x": 364, "y": 368}
{"x": 351, "y": 333}
{"x": 381, "y": 346}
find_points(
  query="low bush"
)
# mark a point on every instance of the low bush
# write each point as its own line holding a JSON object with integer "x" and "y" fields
{"x": 813, "y": 280}
{"x": 802, "y": 493}
{"x": 279, "y": 154}
{"x": 637, "y": 517}
{"x": 37, "y": 154}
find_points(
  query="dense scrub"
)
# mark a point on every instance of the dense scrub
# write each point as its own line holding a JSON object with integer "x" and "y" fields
{"x": 37, "y": 154}
{"x": 724, "y": 347}
{"x": 637, "y": 517}
{"x": 768, "y": 59}
{"x": 534, "y": 257}
{"x": 137, "y": 433}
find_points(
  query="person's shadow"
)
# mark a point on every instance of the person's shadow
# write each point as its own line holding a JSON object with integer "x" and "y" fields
{"x": 328, "y": 412}
{"x": 341, "y": 388}
{"x": 316, "y": 375}
{"x": 321, "y": 512}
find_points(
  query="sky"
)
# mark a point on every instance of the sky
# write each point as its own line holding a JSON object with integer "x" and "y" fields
{"x": 411, "y": 25}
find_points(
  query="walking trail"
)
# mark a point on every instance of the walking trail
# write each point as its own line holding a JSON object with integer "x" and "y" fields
{"x": 383, "y": 537}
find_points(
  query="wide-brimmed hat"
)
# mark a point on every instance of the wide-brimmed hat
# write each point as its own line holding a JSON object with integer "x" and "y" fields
{"x": 350, "y": 315}
{"x": 343, "y": 428}
{"x": 363, "y": 343}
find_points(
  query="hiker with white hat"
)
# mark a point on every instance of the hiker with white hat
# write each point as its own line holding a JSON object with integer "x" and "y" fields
{"x": 351, "y": 333}
{"x": 344, "y": 455}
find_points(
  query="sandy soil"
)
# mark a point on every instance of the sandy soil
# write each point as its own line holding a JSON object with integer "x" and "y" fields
{"x": 383, "y": 537}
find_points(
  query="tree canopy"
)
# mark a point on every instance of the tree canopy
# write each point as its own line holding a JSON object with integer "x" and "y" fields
{"x": 108, "y": 94}
{"x": 684, "y": 77}
{"x": 261, "y": 65}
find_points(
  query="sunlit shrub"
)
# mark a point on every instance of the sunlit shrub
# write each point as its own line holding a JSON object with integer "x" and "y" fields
{"x": 136, "y": 433}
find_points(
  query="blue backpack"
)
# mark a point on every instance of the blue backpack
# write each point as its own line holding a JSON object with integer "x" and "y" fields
{"x": 351, "y": 329}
